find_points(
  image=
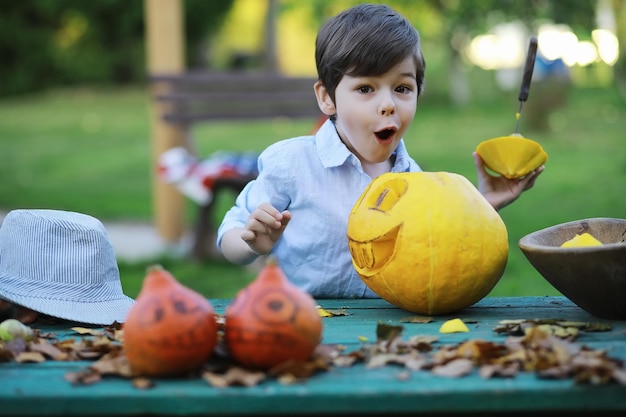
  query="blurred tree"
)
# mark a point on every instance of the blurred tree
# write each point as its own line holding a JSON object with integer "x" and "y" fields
{"x": 619, "y": 70}
{"x": 465, "y": 19}
{"x": 453, "y": 23}
{"x": 47, "y": 43}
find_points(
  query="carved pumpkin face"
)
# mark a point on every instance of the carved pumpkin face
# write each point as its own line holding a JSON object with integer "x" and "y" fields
{"x": 176, "y": 318}
{"x": 170, "y": 330}
{"x": 271, "y": 321}
{"x": 427, "y": 242}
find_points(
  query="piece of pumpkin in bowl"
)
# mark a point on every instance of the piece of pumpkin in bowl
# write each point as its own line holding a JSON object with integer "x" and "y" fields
{"x": 512, "y": 156}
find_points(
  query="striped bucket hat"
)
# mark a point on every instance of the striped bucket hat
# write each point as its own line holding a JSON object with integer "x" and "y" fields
{"x": 62, "y": 264}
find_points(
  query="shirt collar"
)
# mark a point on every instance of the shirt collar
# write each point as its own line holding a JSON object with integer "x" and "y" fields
{"x": 402, "y": 159}
{"x": 332, "y": 151}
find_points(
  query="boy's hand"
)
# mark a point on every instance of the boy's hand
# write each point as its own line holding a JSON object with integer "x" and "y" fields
{"x": 501, "y": 191}
{"x": 264, "y": 227}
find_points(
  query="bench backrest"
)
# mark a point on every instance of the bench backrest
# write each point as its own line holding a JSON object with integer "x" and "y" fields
{"x": 202, "y": 96}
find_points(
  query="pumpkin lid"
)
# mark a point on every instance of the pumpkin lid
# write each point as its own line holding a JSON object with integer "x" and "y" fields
{"x": 512, "y": 156}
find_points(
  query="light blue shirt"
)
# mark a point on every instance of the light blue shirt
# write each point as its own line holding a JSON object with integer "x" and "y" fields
{"x": 319, "y": 180}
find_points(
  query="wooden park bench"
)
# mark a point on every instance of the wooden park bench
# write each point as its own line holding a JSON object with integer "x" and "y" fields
{"x": 202, "y": 97}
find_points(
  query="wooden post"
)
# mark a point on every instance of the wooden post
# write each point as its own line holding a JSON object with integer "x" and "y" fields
{"x": 165, "y": 54}
{"x": 269, "y": 54}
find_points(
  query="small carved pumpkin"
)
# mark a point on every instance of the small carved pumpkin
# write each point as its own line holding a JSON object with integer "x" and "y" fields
{"x": 512, "y": 156}
{"x": 271, "y": 321}
{"x": 427, "y": 242}
{"x": 170, "y": 330}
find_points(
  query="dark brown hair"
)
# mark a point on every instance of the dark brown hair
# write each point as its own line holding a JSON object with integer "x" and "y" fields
{"x": 366, "y": 40}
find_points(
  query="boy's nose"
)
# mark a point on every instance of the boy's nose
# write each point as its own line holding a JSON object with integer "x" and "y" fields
{"x": 387, "y": 107}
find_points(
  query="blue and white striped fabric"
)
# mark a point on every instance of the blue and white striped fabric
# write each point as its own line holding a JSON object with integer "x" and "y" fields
{"x": 61, "y": 263}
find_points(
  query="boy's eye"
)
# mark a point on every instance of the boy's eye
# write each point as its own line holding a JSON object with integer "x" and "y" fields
{"x": 364, "y": 89}
{"x": 403, "y": 89}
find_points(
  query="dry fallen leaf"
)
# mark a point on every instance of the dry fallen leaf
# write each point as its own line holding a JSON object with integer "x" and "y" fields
{"x": 387, "y": 332}
{"x": 88, "y": 331}
{"x": 23, "y": 357}
{"x": 331, "y": 313}
{"x": 454, "y": 368}
{"x": 85, "y": 376}
{"x": 48, "y": 349}
{"x": 234, "y": 376}
{"x": 561, "y": 328}
{"x": 142, "y": 383}
{"x": 416, "y": 319}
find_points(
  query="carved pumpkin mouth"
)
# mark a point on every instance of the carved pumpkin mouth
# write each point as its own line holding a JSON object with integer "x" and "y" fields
{"x": 370, "y": 257}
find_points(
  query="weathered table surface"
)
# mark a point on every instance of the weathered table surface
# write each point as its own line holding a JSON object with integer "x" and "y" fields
{"x": 40, "y": 389}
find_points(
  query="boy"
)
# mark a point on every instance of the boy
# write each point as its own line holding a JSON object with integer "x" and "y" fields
{"x": 370, "y": 77}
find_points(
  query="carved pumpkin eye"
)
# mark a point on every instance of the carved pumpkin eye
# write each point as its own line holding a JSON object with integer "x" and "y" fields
{"x": 275, "y": 306}
{"x": 377, "y": 205}
{"x": 182, "y": 305}
{"x": 384, "y": 195}
{"x": 153, "y": 313}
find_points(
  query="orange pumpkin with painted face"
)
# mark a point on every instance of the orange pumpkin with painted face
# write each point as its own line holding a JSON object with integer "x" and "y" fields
{"x": 272, "y": 321}
{"x": 170, "y": 330}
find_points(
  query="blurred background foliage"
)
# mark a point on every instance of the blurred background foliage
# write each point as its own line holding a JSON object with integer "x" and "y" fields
{"x": 52, "y": 43}
{"x": 60, "y": 43}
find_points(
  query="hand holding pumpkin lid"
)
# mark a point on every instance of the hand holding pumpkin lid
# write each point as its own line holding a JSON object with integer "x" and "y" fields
{"x": 512, "y": 156}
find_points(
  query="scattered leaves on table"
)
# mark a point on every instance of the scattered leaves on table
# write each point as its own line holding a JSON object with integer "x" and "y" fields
{"x": 544, "y": 347}
{"x": 234, "y": 375}
{"x": 388, "y": 332}
{"x": 332, "y": 313}
{"x": 560, "y": 328}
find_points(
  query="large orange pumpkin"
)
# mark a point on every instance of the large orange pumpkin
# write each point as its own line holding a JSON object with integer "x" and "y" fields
{"x": 272, "y": 321}
{"x": 171, "y": 329}
{"x": 427, "y": 242}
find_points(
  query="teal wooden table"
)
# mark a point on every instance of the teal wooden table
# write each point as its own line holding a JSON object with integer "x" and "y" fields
{"x": 41, "y": 389}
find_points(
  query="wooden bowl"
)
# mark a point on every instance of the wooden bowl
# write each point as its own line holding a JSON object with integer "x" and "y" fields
{"x": 592, "y": 277}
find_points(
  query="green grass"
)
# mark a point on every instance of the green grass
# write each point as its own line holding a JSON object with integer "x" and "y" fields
{"x": 90, "y": 151}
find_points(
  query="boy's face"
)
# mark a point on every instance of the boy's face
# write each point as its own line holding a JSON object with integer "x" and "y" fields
{"x": 373, "y": 113}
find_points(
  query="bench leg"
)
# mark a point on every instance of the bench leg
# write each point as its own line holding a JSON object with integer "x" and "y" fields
{"x": 205, "y": 234}
{"x": 206, "y": 228}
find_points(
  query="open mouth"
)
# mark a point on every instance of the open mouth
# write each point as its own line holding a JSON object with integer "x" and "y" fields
{"x": 384, "y": 134}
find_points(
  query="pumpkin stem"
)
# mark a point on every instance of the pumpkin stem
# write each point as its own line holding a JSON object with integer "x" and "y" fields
{"x": 154, "y": 268}
{"x": 157, "y": 276}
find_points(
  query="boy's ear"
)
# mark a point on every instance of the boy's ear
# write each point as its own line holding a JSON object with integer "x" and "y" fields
{"x": 324, "y": 101}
